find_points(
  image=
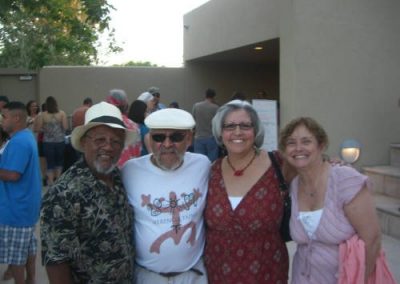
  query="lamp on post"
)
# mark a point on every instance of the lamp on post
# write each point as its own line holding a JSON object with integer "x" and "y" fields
{"x": 350, "y": 150}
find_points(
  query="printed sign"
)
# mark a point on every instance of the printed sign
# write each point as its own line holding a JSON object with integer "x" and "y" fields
{"x": 267, "y": 111}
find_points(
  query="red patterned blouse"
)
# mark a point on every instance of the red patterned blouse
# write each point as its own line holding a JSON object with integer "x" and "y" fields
{"x": 244, "y": 245}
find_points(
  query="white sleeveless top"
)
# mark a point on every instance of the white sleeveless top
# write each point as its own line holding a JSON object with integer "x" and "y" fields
{"x": 235, "y": 200}
{"x": 310, "y": 220}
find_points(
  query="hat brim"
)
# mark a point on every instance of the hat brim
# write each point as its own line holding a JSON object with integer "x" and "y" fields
{"x": 78, "y": 132}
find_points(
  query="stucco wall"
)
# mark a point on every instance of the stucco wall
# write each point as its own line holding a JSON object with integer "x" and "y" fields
{"x": 18, "y": 84}
{"x": 220, "y": 25}
{"x": 340, "y": 64}
{"x": 70, "y": 85}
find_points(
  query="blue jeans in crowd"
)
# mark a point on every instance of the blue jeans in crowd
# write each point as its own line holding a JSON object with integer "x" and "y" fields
{"x": 207, "y": 146}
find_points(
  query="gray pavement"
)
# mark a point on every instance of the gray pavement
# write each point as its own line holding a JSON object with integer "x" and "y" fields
{"x": 391, "y": 246}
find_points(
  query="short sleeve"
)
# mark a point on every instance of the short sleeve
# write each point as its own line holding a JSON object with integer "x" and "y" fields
{"x": 348, "y": 183}
{"x": 16, "y": 156}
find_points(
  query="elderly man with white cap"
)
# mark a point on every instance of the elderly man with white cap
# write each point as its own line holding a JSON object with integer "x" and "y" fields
{"x": 167, "y": 190}
{"x": 86, "y": 219}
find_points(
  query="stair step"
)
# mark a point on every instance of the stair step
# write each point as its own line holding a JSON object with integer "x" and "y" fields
{"x": 388, "y": 210}
{"x": 395, "y": 154}
{"x": 388, "y": 204}
{"x": 385, "y": 179}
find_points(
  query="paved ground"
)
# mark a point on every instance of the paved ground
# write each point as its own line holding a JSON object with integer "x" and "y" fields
{"x": 391, "y": 246}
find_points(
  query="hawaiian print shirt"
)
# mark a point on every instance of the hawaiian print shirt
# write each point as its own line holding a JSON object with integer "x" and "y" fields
{"x": 89, "y": 226}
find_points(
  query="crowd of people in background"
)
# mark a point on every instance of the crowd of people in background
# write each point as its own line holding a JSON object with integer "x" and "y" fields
{"x": 127, "y": 202}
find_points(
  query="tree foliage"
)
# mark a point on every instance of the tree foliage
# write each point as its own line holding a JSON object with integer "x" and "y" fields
{"x": 35, "y": 33}
{"x": 136, "y": 64}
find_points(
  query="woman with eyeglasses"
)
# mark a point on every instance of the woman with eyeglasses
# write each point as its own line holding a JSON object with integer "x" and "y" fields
{"x": 244, "y": 204}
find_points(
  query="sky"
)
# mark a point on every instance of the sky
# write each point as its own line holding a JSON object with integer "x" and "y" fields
{"x": 149, "y": 30}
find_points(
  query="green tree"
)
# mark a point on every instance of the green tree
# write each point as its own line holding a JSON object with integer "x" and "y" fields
{"x": 35, "y": 33}
{"x": 137, "y": 64}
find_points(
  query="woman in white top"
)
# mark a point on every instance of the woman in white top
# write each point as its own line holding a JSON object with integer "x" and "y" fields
{"x": 329, "y": 205}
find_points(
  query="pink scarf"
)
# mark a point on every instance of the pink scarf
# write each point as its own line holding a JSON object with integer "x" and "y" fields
{"x": 352, "y": 264}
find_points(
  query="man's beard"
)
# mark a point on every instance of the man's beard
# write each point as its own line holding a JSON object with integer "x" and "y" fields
{"x": 103, "y": 170}
{"x": 173, "y": 166}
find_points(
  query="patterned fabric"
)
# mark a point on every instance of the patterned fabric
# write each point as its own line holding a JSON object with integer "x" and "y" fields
{"x": 316, "y": 258}
{"x": 16, "y": 244}
{"x": 133, "y": 150}
{"x": 244, "y": 245}
{"x": 89, "y": 226}
{"x": 52, "y": 129}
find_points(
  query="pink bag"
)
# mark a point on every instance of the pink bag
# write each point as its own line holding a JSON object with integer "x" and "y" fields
{"x": 352, "y": 264}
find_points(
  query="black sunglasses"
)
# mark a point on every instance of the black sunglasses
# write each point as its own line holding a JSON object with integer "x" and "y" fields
{"x": 174, "y": 137}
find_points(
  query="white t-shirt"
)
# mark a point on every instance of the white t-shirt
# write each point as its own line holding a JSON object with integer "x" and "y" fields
{"x": 168, "y": 207}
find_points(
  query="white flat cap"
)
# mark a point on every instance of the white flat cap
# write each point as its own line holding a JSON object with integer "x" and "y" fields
{"x": 170, "y": 118}
{"x": 145, "y": 97}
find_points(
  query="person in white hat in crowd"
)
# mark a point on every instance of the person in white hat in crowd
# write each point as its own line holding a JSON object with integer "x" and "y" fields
{"x": 155, "y": 92}
{"x": 167, "y": 190}
{"x": 86, "y": 220}
{"x": 149, "y": 100}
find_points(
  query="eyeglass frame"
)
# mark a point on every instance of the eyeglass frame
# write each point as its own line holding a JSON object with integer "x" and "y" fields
{"x": 244, "y": 126}
{"x": 175, "y": 137}
{"x": 113, "y": 142}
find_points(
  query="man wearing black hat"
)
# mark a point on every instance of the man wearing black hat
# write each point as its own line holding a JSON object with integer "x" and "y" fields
{"x": 86, "y": 220}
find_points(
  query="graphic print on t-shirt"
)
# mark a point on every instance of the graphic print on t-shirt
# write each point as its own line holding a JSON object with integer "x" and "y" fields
{"x": 173, "y": 206}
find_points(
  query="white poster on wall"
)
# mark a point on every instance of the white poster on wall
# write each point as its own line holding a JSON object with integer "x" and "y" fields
{"x": 267, "y": 111}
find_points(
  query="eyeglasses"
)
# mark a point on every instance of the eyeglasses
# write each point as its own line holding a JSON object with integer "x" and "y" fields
{"x": 102, "y": 141}
{"x": 242, "y": 126}
{"x": 174, "y": 137}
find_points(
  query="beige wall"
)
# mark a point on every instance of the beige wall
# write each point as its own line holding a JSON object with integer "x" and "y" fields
{"x": 220, "y": 25}
{"x": 340, "y": 64}
{"x": 18, "y": 85}
{"x": 70, "y": 85}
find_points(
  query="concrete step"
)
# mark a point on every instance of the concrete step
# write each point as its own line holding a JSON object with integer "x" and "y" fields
{"x": 388, "y": 210}
{"x": 386, "y": 179}
{"x": 395, "y": 154}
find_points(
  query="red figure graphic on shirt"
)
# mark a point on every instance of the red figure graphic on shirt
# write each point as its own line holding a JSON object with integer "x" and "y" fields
{"x": 173, "y": 206}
